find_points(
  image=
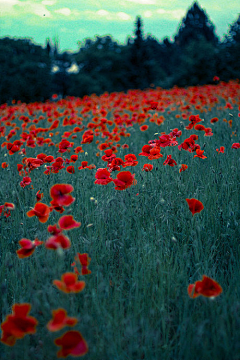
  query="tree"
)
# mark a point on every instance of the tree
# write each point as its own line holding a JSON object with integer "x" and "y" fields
{"x": 143, "y": 65}
{"x": 195, "y": 26}
{"x": 25, "y": 71}
{"x": 229, "y": 66}
{"x": 196, "y": 49}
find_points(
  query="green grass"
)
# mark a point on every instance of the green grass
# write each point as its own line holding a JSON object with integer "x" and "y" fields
{"x": 145, "y": 250}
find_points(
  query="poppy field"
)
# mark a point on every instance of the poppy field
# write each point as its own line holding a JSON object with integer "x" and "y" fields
{"x": 120, "y": 226}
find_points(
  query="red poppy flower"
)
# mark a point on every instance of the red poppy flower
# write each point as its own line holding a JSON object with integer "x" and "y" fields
{"x": 67, "y": 222}
{"x": 69, "y": 283}
{"x": 194, "y": 119}
{"x": 19, "y": 167}
{"x": 12, "y": 148}
{"x": 84, "y": 165}
{"x": 9, "y": 206}
{"x": 200, "y": 154}
{"x": 54, "y": 230}
{"x": 124, "y": 180}
{"x": 48, "y": 159}
{"x": 130, "y": 160}
{"x": 103, "y": 177}
{"x": 199, "y": 127}
{"x": 115, "y": 164}
{"x": 221, "y": 150}
{"x": 144, "y": 127}
{"x": 39, "y": 196}
{"x": 58, "y": 241}
{"x": 169, "y": 161}
{"x": 60, "y": 320}
{"x": 4, "y": 165}
{"x": 72, "y": 343}
{"x": 78, "y": 149}
{"x": 153, "y": 105}
{"x": 60, "y": 193}
{"x": 183, "y": 168}
{"x": 54, "y": 125}
{"x": 87, "y": 137}
{"x": 27, "y": 247}
{"x": 40, "y": 210}
{"x": 206, "y": 287}
{"x": 195, "y": 206}
{"x": 109, "y": 156}
{"x": 84, "y": 260}
{"x": 70, "y": 169}
{"x": 64, "y": 145}
{"x": 213, "y": 120}
{"x": 25, "y": 181}
{"x": 235, "y": 146}
{"x": 145, "y": 150}
{"x": 17, "y": 325}
{"x": 208, "y": 132}
{"x": 147, "y": 167}
{"x": 154, "y": 154}
{"x": 165, "y": 140}
{"x": 74, "y": 158}
{"x": 6, "y": 209}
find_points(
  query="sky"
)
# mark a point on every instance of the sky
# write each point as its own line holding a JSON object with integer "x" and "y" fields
{"x": 72, "y": 21}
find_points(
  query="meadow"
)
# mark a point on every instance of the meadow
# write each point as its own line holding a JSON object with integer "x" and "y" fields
{"x": 131, "y": 297}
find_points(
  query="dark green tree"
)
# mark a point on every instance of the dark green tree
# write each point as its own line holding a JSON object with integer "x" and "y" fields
{"x": 229, "y": 66}
{"x": 25, "y": 71}
{"x": 196, "y": 49}
{"x": 196, "y": 25}
{"x": 102, "y": 67}
{"x": 144, "y": 65}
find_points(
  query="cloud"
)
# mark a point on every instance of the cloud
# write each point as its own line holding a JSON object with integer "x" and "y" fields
{"x": 63, "y": 11}
{"x": 102, "y": 12}
{"x": 49, "y": 2}
{"x": 171, "y": 14}
{"x": 123, "y": 16}
{"x": 6, "y": 6}
{"x": 147, "y": 14}
{"x": 143, "y": 2}
{"x": 15, "y": 8}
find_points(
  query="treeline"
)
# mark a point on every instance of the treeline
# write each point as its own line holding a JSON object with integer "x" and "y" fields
{"x": 30, "y": 72}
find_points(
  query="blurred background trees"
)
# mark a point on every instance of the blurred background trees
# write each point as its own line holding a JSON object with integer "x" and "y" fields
{"x": 30, "y": 72}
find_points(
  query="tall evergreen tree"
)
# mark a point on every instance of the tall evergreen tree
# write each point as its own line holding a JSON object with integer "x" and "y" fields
{"x": 194, "y": 26}
{"x": 229, "y": 67}
{"x": 196, "y": 48}
{"x": 142, "y": 63}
